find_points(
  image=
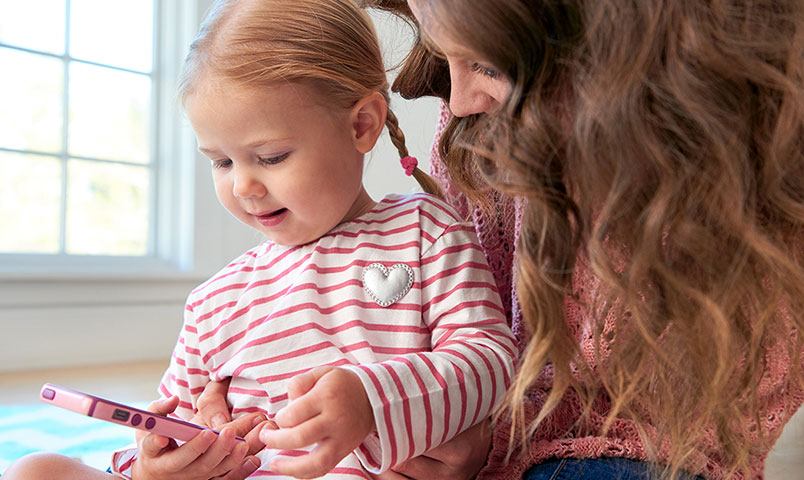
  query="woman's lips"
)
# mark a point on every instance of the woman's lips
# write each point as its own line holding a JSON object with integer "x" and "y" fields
{"x": 271, "y": 219}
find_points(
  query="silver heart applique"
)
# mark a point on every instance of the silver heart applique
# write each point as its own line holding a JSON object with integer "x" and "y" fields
{"x": 387, "y": 285}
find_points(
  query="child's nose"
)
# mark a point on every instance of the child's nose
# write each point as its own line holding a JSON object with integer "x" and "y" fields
{"x": 247, "y": 183}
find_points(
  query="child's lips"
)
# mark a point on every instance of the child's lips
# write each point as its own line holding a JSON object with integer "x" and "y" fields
{"x": 272, "y": 218}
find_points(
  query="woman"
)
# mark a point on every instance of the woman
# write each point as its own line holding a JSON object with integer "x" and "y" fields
{"x": 645, "y": 160}
{"x": 660, "y": 274}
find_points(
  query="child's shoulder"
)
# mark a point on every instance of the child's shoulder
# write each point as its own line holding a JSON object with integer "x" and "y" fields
{"x": 244, "y": 265}
{"x": 423, "y": 203}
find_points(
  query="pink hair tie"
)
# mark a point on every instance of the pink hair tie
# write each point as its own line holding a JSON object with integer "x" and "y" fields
{"x": 409, "y": 164}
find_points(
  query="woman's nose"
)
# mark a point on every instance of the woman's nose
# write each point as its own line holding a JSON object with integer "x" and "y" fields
{"x": 247, "y": 183}
{"x": 466, "y": 96}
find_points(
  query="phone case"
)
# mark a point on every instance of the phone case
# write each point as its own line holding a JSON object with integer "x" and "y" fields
{"x": 118, "y": 413}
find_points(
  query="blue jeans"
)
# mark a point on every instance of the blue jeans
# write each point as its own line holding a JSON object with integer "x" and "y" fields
{"x": 592, "y": 469}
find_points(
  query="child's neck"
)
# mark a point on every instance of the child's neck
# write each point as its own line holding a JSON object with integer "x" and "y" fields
{"x": 362, "y": 205}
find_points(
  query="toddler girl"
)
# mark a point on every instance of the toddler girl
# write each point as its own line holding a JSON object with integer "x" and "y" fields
{"x": 368, "y": 331}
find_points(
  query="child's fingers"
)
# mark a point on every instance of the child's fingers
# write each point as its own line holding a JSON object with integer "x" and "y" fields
{"x": 151, "y": 444}
{"x": 303, "y": 435}
{"x": 248, "y": 466}
{"x": 212, "y": 406}
{"x": 253, "y": 437}
{"x": 178, "y": 459}
{"x": 317, "y": 463}
{"x": 242, "y": 426}
{"x": 163, "y": 406}
{"x": 224, "y": 454}
{"x": 298, "y": 411}
{"x": 303, "y": 383}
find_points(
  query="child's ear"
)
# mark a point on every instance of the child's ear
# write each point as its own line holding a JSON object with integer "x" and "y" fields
{"x": 368, "y": 119}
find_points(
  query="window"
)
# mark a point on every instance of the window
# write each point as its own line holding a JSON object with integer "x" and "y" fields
{"x": 108, "y": 218}
{"x": 78, "y": 128}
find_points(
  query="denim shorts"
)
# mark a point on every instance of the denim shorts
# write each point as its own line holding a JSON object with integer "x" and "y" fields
{"x": 594, "y": 469}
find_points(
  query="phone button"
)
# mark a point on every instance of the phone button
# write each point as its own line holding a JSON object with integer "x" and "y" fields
{"x": 136, "y": 419}
{"x": 149, "y": 424}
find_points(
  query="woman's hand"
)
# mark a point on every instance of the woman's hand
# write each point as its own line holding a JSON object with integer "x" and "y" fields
{"x": 459, "y": 459}
{"x": 207, "y": 455}
{"x": 328, "y": 408}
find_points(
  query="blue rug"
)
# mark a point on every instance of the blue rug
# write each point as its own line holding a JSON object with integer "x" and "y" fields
{"x": 33, "y": 428}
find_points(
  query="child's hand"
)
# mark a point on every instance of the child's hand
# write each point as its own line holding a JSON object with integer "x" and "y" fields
{"x": 328, "y": 407}
{"x": 213, "y": 411}
{"x": 212, "y": 406}
{"x": 206, "y": 456}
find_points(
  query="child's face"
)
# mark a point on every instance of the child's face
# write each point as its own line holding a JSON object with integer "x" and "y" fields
{"x": 282, "y": 164}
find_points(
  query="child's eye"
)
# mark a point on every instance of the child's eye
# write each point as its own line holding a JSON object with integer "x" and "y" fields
{"x": 273, "y": 160}
{"x": 224, "y": 163}
{"x": 487, "y": 71}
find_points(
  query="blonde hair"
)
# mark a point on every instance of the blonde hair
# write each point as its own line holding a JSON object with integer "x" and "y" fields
{"x": 328, "y": 44}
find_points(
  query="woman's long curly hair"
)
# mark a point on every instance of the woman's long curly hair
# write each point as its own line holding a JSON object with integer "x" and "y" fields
{"x": 663, "y": 141}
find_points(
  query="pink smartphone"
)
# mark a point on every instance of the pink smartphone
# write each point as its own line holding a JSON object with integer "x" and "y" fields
{"x": 103, "y": 409}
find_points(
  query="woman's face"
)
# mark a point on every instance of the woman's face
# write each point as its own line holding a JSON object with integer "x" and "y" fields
{"x": 476, "y": 85}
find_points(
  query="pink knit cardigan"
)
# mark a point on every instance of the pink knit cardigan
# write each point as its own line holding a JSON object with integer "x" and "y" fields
{"x": 562, "y": 435}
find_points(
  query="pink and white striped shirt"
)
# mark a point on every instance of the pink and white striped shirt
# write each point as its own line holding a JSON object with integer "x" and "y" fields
{"x": 434, "y": 362}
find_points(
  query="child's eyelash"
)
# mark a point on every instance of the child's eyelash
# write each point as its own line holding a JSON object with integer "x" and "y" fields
{"x": 225, "y": 163}
{"x": 488, "y": 72}
{"x": 273, "y": 160}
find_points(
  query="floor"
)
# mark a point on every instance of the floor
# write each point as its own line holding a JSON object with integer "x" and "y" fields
{"x": 137, "y": 382}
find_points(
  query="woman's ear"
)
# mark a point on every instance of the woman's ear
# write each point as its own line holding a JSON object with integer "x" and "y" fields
{"x": 367, "y": 119}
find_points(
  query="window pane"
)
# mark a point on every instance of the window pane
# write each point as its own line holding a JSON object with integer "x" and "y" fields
{"x": 34, "y": 24}
{"x": 30, "y": 194}
{"x": 113, "y": 32}
{"x": 107, "y": 209}
{"x": 31, "y": 116}
{"x": 109, "y": 113}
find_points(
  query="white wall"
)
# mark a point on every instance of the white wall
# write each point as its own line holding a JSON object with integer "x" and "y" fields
{"x": 49, "y": 320}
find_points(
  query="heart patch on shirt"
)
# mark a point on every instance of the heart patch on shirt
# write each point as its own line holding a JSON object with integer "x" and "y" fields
{"x": 387, "y": 285}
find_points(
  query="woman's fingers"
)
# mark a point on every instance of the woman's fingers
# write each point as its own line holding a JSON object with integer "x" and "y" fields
{"x": 460, "y": 458}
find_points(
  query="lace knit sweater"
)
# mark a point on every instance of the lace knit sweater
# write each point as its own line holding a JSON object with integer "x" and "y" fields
{"x": 561, "y": 435}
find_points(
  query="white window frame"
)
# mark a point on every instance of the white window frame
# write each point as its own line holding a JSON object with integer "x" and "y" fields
{"x": 73, "y": 310}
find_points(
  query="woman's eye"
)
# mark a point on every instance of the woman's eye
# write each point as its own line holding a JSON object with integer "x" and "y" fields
{"x": 225, "y": 163}
{"x": 486, "y": 71}
{"x": 273, "y": 160}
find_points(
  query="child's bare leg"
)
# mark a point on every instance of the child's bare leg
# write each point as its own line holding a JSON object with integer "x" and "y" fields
{"x": 53, "y": 467}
